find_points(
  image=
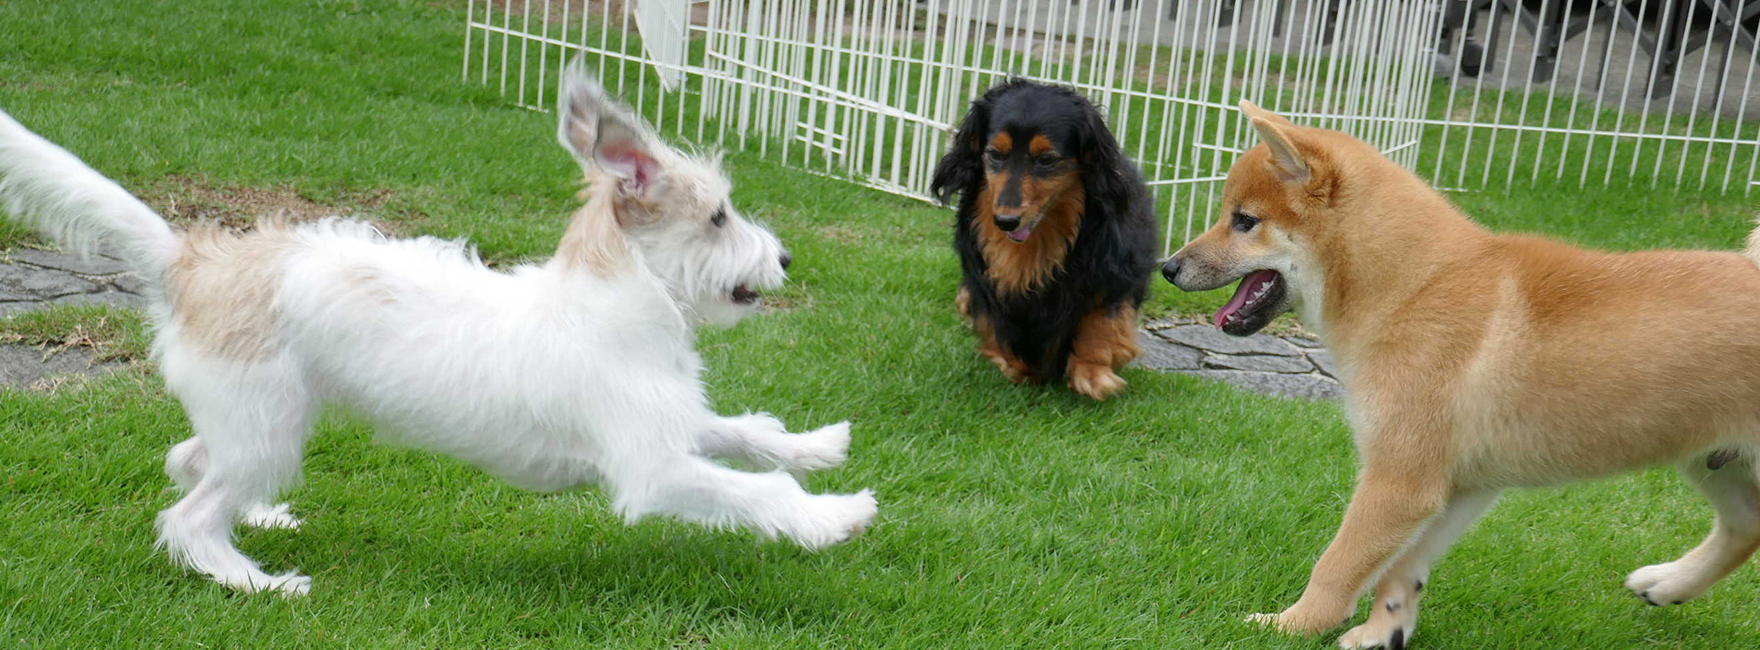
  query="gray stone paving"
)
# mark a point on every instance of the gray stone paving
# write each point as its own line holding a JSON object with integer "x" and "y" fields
{"x": 31, "y": 279}
{"x": 1287, "y": 366}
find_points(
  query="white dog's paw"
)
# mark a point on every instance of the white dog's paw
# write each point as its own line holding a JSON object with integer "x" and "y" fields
{"x": 1376, "y": 634}
{"x": 1672, "y": 583}
{"x": 266, "y": 516}
{"x": 823, "y": 448}
{"x": 760, "y": 422}
{"x": 288, "y": 584}
{"x": 835, "y": 518}
{"x": 293, "y": 585}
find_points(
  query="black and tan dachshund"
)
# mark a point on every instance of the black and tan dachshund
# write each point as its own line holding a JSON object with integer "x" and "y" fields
{"x": 1056, "y": 236}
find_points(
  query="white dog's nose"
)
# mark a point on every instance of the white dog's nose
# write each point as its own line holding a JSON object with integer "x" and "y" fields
{"x": 786, "y": 260}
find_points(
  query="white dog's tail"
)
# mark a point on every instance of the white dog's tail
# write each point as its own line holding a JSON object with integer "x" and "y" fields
{"x": 44, "y": 186}
{"x": 1753, "y": 249}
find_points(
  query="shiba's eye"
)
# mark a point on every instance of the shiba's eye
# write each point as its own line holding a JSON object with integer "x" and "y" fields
{"x": 720, "y": 218}
{"x": 1244, "y": 223}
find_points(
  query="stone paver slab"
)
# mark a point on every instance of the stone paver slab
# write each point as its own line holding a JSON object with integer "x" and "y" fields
{"x": 1259, "y": 363}
{"x": 96, "y": 265}
{"x": 1205, "y": 337}
{"x": 22, "y": 366}
{"x": 1311, "y": 386}
{"x": 41, "y": 283}
{"x": 1159, "y": 354}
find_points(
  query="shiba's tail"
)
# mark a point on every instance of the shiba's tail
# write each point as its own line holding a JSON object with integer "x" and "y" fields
{"x": 49, "y": 189}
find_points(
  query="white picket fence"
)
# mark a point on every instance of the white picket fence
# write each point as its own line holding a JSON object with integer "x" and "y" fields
{"x": 869, "y": 90}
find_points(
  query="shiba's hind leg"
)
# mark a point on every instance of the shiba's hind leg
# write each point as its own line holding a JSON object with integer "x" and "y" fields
{"x": 1733, "y": 492}
{"x": 189, "y": 460}
{"x": 251, "y": 421}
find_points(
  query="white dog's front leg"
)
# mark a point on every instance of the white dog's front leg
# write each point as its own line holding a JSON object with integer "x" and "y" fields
{"x": 694, "y": 489}
{"x": 761, "y": 439}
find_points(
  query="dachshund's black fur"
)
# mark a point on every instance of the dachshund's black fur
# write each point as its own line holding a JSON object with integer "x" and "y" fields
{"x": 1110, "y": 261}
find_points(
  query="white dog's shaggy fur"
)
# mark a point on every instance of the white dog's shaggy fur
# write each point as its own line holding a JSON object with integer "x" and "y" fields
{"x": 551, "y": 377}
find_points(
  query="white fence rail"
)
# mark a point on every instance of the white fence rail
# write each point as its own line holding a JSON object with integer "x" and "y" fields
{"x": 1470, "y": 94}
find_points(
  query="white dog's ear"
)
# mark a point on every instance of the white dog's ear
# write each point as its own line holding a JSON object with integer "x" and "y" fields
{"x": 1276, "y": 133}
{"x": 626, "y": 151}
{"x": 602, "y": 134}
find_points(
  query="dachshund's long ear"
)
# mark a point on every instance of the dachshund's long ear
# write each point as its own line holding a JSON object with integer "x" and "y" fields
{"x": 959, "y": 169}
{"x": 1104, "y": 165}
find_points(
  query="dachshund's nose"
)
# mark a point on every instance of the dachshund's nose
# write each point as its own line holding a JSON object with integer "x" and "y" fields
{"x": 1008, "y": 222}
{"x": 1170, "y": 270}
{"x": 786, "y": 260}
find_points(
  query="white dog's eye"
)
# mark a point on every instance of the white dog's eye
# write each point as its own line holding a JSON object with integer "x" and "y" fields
{"x": 1244, "y": 223}
{"x": 720, "y": 218}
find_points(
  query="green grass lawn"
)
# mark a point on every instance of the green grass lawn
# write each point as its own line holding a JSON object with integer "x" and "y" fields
{"x": 1010, "y": 517}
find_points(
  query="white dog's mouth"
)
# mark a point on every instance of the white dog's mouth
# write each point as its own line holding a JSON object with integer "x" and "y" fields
{"x": 743, "y": 295}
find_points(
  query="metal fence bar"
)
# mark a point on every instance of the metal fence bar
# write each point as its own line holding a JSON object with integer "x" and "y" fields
{"x": 869, "y": 90}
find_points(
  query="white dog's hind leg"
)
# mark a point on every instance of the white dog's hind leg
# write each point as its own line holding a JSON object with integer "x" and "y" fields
{"x": 762, "y": 440}
{"x": 1734, "y": 536}
{"x": 189, "y": 460}
{"x": 694, "y": 489}
{"x": 251, "y": 423}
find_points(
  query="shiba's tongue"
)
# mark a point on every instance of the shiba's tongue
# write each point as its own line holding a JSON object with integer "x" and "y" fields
{"x": 1020, "y": 234}
{"x": 1249, "y": 286}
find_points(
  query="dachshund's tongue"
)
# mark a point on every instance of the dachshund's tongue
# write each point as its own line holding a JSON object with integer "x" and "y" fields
{"x": 1020, "y": 234}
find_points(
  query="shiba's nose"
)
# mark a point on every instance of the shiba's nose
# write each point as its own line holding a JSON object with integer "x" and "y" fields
{"x": 1008, "y": 222}
{"x": 786, "y": 260}
{"x": 1170, "y": 270}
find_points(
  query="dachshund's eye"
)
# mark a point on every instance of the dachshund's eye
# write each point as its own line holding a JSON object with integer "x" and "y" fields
{"x": 720, "y": 218}
{"x": 1244, "y": 223}
{"x": 993, "y": 156}
{"x": 1047, "y": 160}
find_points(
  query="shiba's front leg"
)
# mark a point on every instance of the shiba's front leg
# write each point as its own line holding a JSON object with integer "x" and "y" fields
{"x": 1388, "y": 509}
{"x": 1105, "y": 340}
{"x": 1394, "y": 618}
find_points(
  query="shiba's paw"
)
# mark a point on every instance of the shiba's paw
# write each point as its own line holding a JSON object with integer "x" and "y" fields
{"x": 1384, "y": 633}
{"x": 835, "y": 518}
{"x": 823, "y": 448}
{"x": 1098, "y": 382}
{"x": 1672, "y": 583}
{"x": 267, "y": 516}
{"x": 1300, "y": 619}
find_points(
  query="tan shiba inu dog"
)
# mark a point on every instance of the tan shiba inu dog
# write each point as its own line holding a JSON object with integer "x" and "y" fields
{"x": 1476, "y": 362}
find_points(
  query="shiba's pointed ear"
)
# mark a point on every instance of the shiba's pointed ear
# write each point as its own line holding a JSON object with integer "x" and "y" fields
{"x": 1277, "y": 134}
{"x": 602, "y": 134}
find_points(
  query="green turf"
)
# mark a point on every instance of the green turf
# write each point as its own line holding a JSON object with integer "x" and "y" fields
{"x": 1010, "y": 517}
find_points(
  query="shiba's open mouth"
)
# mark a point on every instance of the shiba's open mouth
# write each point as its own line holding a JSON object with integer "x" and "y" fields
{"x": 743, "y": 295}
{"x": 1248, "y": 311}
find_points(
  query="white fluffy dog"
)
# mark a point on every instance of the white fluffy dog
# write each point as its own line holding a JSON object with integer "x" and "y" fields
{"x": 550, "y": 377}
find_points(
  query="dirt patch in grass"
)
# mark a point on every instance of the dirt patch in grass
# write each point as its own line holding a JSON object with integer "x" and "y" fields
{"x": 186, "y": 200}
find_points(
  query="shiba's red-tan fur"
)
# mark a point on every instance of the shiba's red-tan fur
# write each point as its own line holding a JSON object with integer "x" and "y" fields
{"x": 1476, "y": 362}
